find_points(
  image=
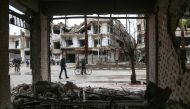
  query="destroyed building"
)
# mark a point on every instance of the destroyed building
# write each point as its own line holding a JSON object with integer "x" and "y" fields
{"x": 165, "y": 59}
{"x": 141, "y": 32}
{"x": 104, "y": 41}
{"x": 19, "y": 46}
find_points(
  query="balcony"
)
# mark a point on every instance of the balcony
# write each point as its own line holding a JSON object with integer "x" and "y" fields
{"x": 14, "y": 36}
{"x": 56, "y": 51}
{"x": 11, "y": 46}
{"x": 141, "y": 32}
{"x": 55, "y": 37}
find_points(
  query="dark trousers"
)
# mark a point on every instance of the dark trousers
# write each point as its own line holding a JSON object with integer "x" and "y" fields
{"x": 63, "y": 68}
{"x": 17, "y": 68}
{"x": 83, "y": 70}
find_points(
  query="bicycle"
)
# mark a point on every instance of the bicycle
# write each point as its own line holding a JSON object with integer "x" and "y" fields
{"x": 11, "y": 64}
{"x": 77, "y": 71}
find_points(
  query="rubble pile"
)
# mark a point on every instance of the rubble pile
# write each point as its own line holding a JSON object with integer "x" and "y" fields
{"x": 176, "y": 105}
{"x": 44, "y": 92}
{"x": 23, "y": 89}
{"x": 105, "y": 94}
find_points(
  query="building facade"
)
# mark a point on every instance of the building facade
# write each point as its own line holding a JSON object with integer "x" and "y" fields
{"x": 183, "y": 39}
{"x": 141, "y": 32}
{"x": 104, "y": 41}
{"x": 19, "y": 46}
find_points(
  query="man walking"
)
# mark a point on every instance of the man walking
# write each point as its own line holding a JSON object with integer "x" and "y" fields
{"x": 15, "y": 64}
{"x": 83, "y": 66}
{"x": 63, "y": 67}
{"x": 27, "y": 63}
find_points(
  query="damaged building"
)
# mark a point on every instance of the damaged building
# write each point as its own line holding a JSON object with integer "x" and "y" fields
{"x": 105, "y": 42}
{"x": 141, "y": 33}
{"x": 165, "y": 59}
{"x": 19, "y": 46}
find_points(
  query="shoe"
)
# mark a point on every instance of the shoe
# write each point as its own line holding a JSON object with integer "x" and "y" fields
{"x": 67, "y": 77}
{"x": 60, "y": 78}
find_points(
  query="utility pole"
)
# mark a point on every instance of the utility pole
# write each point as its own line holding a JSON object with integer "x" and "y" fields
{"x": 64, "y": 55}
{"x": 98, "y": 39}
{"x": 126, "y": 23}
{"x": 129, "y": 27}
{"x": 86, "y": 39}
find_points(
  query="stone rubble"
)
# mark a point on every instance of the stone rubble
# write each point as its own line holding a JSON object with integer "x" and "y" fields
{"x": 68, "y": 92}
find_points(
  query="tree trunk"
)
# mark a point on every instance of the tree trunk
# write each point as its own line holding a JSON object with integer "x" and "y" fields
{"x": 133, "y": 75}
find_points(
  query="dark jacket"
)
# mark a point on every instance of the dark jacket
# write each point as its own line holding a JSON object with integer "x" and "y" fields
{"x": 62, "y": 64}
{"x": 83, "y": 63}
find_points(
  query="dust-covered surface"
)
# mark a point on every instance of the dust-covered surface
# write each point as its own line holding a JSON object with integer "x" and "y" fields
{"x": 113, "y": 79}
{"x": 44, "y": 92}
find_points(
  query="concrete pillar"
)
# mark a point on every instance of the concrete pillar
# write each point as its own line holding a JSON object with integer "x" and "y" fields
{"x": 22, "y": 49}
{"x": 152, "y": 53}
{"x": 4, "y": 55}
{"x": 45, "y": 48}
{"x": 40, "y": 48}
{"x": 36, "y": 48}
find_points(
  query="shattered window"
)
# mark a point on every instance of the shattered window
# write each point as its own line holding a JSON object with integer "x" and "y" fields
{"x": 27, "y": 52}
{"x": 56, "y": 29}
{"x": 56, "y": 45}
{"x": 95, "y": 43}
{"x": 57, "y": 56}
{"x": 16, "y": 44}
{"x": 81, "y": 43}
{"x": 96, "y": 29}
{"x": 139, "y": 27}
{"x": 69, "y": 42}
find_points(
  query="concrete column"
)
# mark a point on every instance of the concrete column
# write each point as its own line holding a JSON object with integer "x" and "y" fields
{"x": 4, "y": 55}
{"x": 40, "y": 48}
{"x": 45, "y": 48}
{"x": 152, "y": 52}
{"x": 36, "y": 48}
{"x": 22, "y": 45}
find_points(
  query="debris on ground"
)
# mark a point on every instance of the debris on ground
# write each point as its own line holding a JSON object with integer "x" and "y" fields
{"x": 49, "y": 95}
{"x": 44, "y": 92}
{"x": 157, "y": 96}
{"x": 171, "y": 104}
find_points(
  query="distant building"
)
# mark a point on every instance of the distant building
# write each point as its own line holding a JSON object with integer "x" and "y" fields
{"x": 104, "y": 41}
{"x": 19, "y": 46}
{"x": 184, "y": 41}
{"x": 141, "y": 25}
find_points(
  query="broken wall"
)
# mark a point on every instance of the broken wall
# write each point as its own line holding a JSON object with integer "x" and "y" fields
{"x": 168, "y": 67}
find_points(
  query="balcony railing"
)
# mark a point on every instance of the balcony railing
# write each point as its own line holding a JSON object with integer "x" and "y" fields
{"x": 56, "y": 51}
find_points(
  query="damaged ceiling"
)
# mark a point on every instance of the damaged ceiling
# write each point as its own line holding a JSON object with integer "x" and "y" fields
{"x": 74, "y": 7}
{"x": 77, "y": 7}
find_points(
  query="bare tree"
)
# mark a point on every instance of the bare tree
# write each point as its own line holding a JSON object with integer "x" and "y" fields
{"x": 129, "y": 50}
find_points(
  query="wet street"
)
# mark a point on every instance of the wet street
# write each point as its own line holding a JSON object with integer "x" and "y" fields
{"x": 114, "y": 78}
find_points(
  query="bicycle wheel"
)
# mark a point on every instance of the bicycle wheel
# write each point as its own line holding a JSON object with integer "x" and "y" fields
{"x": 11, "y": 65}
{"x": 88, "y": 71}
{"x": 77, "y": 71}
